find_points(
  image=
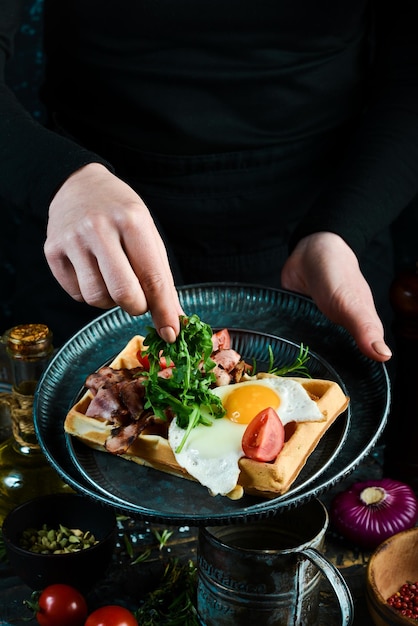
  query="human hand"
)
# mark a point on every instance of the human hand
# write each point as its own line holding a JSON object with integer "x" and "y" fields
{"x": 325, "y": 268}
{"x": 104, "y": 249}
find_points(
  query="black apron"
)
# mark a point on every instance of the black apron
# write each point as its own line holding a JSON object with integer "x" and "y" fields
{"x": 224, "y": 217}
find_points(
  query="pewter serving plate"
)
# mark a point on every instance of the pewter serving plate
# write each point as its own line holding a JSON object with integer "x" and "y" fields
{"x": 257, "y": 318}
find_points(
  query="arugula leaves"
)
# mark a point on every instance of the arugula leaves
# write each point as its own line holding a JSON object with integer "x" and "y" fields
{"x": 189, "y": 387}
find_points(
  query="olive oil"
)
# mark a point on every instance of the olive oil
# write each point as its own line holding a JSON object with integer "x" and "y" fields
{"x": 24, "y": 471}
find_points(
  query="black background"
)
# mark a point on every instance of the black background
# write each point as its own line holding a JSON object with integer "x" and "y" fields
{"x": 24, "y": 76}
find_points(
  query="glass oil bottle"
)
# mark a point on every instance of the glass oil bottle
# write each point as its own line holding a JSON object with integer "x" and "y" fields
{"x": 24, "y": 471}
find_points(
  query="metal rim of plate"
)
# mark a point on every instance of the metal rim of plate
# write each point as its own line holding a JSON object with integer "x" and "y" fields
{"x": 268, "y": 312}
{"x": 96, "y": 468}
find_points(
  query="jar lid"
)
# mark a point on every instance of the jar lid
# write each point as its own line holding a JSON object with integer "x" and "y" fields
{"x": 28, "y": 340}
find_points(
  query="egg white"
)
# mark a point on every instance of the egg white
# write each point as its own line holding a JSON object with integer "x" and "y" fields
{"x": 211, "y": 453}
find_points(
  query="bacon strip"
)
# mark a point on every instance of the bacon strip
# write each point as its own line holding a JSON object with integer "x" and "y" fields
{"x": 121, "y": 438}
{"x": 118, "y": 395}
{"x": 229, "y": 367}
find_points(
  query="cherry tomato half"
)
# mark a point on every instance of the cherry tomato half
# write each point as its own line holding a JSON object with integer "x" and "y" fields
{"x": 111, "y": 615}
{"x": 263, "y": 438}
{"x": 61, "y": 605}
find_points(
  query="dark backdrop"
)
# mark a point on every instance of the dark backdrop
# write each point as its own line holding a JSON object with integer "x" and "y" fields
{"x": 24, "y": 75}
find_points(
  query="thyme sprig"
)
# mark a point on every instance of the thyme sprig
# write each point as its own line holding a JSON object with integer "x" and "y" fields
{"x": 162, "y": 540}
{"x": 141, "y": 558}
{"x": 173, "y": 602}
{"x": 162, "y": 537}
{"x": 298, "y": 367}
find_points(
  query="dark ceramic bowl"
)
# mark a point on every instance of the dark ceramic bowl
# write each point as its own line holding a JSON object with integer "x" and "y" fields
{"x": 80, "y": 569}
{"x": 393, "y": 563}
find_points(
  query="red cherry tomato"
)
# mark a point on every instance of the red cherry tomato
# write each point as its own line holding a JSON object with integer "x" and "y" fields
{"x": 111, "y": 615}
{"x": 221, "y": 340}
{"x": 263, "y": 438}
{"x": 61, "y": 604}
{"x": 143, "y": 360}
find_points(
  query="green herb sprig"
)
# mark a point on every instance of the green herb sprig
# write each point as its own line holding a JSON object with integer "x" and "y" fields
{"x": 173, "y": 602}
{"x": 298, "y": 367}
{"x": 189, "y": 387}
{"x": 162, "y": 537}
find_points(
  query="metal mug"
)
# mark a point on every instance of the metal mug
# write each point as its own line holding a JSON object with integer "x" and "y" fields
{"x": 268, "y": 572}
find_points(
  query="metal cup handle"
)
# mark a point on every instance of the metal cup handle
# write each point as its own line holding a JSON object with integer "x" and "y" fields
{"x": 337, "y": 582}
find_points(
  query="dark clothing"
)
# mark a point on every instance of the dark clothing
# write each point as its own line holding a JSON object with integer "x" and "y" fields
{"x": 243, "y": 125}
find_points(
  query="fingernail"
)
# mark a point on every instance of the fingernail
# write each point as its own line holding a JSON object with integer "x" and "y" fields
{"x": 167, "y": 333}
{"x": 381, "y": 348}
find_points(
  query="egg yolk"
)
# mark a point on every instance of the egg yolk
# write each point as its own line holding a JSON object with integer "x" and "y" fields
{"x": 246, "y": 402}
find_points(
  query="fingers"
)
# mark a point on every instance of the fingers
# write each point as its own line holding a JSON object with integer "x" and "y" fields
{"x": 323, "y": 267}
{"x": 353, "y": 307}
{"x": 113, "y": 255}
{"x": 149, "y": 262}
{"x": 107, "y": 278}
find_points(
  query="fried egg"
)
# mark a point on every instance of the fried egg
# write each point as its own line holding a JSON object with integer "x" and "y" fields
{"x": 211, "y": 453}
{"x": 287, "y": 397}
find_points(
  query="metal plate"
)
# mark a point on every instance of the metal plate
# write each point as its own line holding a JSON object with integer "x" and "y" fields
{"x": 274, "y": 316}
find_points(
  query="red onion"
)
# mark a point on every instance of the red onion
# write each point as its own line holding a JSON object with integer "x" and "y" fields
{"x": 371, "y": 511}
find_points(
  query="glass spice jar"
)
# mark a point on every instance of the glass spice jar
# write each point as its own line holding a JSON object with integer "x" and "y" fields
{"x": 24, "y": 471}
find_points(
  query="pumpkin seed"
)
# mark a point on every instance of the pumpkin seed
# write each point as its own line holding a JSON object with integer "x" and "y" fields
{"x": 62, "y": 540}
